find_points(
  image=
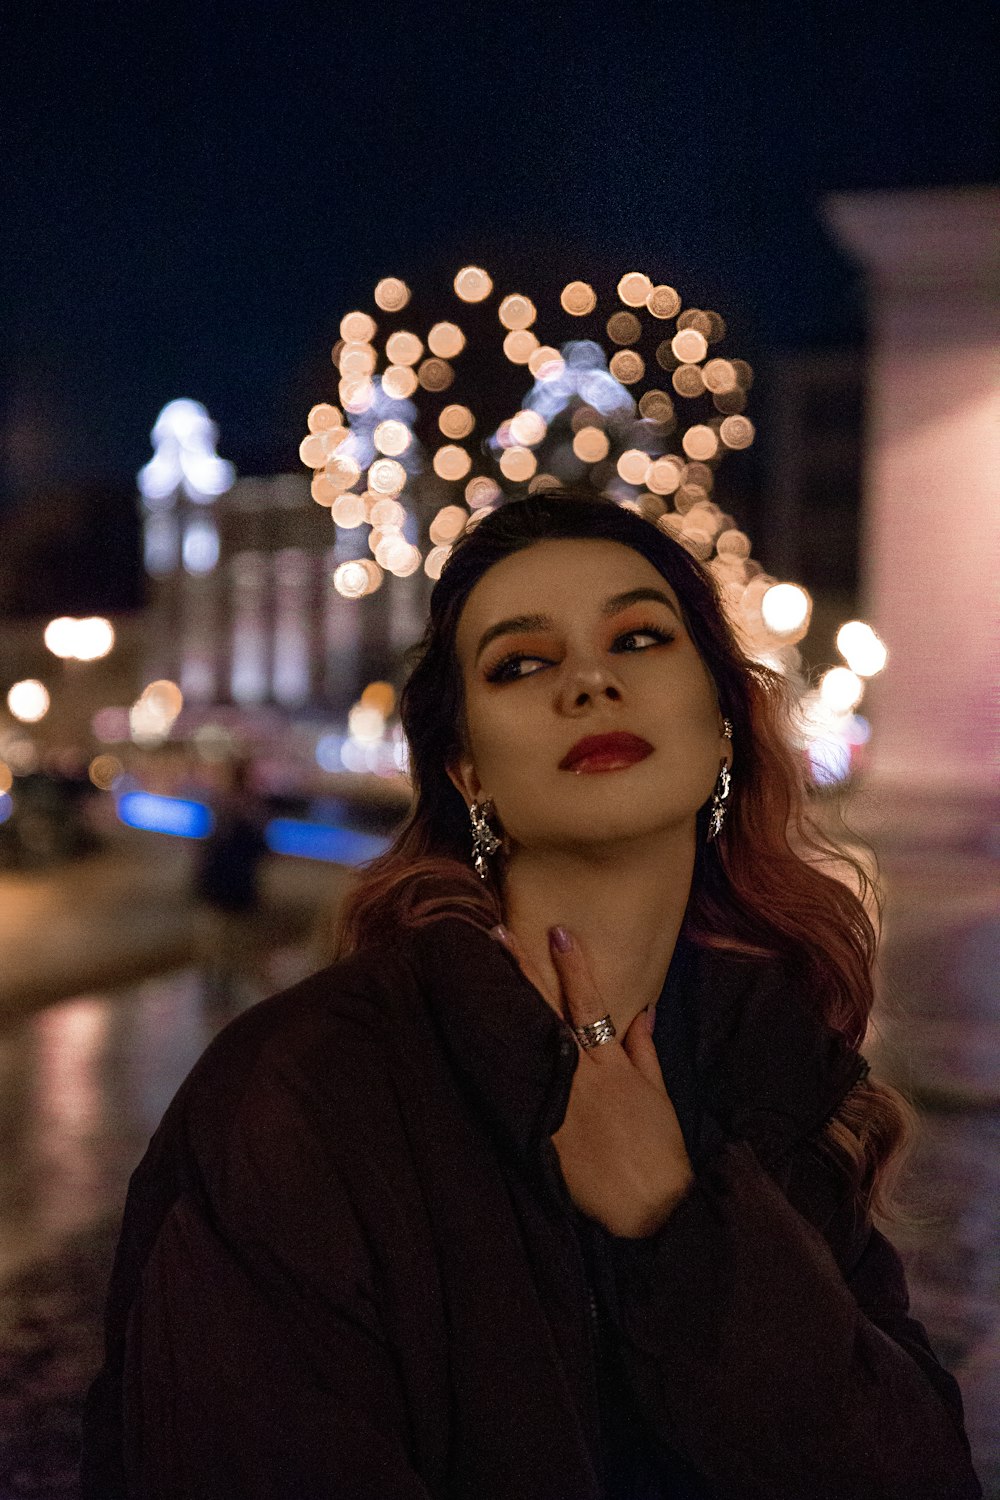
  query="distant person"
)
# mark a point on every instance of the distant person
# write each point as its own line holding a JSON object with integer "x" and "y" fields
{"x": 559, "y": 1184}
{"x": 227, "y": 882}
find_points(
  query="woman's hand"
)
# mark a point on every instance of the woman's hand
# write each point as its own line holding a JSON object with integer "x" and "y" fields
{"x": 620, "y": 1146}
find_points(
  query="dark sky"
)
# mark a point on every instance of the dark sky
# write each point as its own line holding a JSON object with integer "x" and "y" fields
{"x": 195, "y": 193}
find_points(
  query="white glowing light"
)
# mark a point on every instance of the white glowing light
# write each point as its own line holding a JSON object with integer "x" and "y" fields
{"x": 841, "y": 690}
{"x": 184, "y": 456}
{"x": 29, "y": 700}
{"x": 365, "y": 723}
{"x": 784, "y": 607}
{"x": 94, "y": 638}
{"x": 60, "y": 637}
{"x": 200, "y": 548}
{"x": 861, "y": 648}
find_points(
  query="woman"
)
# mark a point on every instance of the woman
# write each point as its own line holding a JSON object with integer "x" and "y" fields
{"x": 446, "y": 1219}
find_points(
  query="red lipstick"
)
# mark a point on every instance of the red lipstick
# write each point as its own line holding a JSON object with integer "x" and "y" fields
{"x": 605, "y": 752}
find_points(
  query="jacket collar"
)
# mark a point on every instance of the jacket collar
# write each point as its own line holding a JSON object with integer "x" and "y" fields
{"x": 766, "y": 1068}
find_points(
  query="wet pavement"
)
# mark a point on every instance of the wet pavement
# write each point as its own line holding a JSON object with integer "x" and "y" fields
{"x": 84, "y": 1081}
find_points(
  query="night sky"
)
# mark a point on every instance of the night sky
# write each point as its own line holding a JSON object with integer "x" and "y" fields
{"x": 195, "y": 193}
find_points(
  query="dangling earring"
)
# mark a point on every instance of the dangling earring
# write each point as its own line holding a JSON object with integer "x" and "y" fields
{"x": 484, "y": 840}
{"x": 721, "y": 793}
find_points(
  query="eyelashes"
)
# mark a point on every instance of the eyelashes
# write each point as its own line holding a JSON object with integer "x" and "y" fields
{"x": 500, "y": 673}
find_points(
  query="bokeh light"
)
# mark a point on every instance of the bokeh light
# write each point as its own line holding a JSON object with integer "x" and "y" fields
{"x": 785, "y": 607}
{"x": 29, "y": 700}
{"x": 473, "y": 284}
{"x": 456, "y": 421}
{"x": 840, "y": 689}
{"x": 861, "y": 648}
{"x": 578, "y": 299}
{"x": 391, "y": 294}
{"x": 446, "y": 340}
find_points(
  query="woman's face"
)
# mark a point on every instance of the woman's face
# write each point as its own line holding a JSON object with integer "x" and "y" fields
{"x": 587, "y": 664}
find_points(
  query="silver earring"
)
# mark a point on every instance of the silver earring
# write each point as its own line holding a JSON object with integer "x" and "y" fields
{"x": 721, "y": 793}
{"x": 484, "y": 840}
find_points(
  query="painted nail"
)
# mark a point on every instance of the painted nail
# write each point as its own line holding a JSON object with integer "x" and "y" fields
{"x": 500, "y": 933}
{"x": 561, "y": 939}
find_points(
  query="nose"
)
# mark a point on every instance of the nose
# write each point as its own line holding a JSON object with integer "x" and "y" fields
{"x": 587, "y": 682}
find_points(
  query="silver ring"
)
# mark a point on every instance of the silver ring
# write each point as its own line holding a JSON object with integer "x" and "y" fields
{"x": 596, "y": 1033}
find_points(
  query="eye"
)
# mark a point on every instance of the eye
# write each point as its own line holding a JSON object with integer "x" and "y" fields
{"x": 505, "y": 670}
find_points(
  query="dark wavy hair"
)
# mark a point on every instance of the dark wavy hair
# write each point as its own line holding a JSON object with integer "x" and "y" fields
{"x": 771, "y": 884}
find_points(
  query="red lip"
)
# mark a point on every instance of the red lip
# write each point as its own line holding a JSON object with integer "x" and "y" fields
{"x": 623, "y": 745}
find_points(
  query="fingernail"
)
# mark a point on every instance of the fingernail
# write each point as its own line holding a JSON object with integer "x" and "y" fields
{"x": 561, "y": 939}
{"x": 500, "y": 933}
{"x": 650, "y": 1017}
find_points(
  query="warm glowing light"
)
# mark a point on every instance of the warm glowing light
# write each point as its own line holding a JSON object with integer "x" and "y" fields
{"x": 435, "y": 374}
{"x": 665, "y": 356}
{"x": 664, "y": 476}
{"x": 544, "y": 482}
{"x": 861, "y": 648}
{"x": 744, "y": 374}
{"x": 689, "y": 345}
{"x": 391, "y": 438}
{"x": 517, "y": 312}
{"x": 733, "y": 543}
{"x": 520, "y": 346}
{"x": 403, "y": 348}
{"x": 348, "y": 511}
{"x": 518, "y": 464}
{"x": 591, "y": 445}
{"x": 357, "y": 328}
{"x": 357, "y": 359}
{"x": 163, "y": 698}
{"x": 343, "y": 471}
{"x": 399, "y": 381}
{"x": 435, "y": 561}
{"x": 387, "y": 513}
{"x": 634, "y": 288}
{"x": 656, "y": 406}
{"x": 687, "y": 380}
{"x": 720, "y": 376}
{"x": 6, "y": 778}
{"x": 841, "y": 690}
{"x": 633, "y": 466}
{"x": 456, "y": 421}
{"x": 785, "y": 607}
{"x": 578, "y": 299}
{"x": 481, "y": 491}
{"x": 312, "y": 451}
{"x": 386, "y": 476}
{"x": 737, "y": 432}
{"x": 624, "y": 328}
{"x": 451, "y": 462}
{"x": 700, "y": 442}
{"x": 447, "y": 525}
{"x": 356, "y": 393}
{"x": 663, "y": 302}
{"x": 446, "y": 340}
{"x": 528, "y": 428}
{"x": 546, "y": 363}
{"x": 728, "y": 402}
{"x": 473, "y": 284}
{"x": 104, "y": 771}
{"x": 322, "y": 417}
{"x": 358, "y": 577}
{"x": 29, "y": 700}
{"x": 391, "y": 294}
{"x": 627, "y": 366}
{"x": 381, "y": 696}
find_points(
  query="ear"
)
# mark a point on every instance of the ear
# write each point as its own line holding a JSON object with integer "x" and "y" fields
{"x": 462, "y": 775}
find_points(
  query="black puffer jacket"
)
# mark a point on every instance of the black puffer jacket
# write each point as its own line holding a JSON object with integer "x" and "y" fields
{"x": 350, "y": 1267}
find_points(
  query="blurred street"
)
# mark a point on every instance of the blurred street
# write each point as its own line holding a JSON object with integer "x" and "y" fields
{"x": 104, "y": 1011}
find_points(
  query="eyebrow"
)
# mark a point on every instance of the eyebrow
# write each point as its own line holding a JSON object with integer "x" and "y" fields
{"x": 612, "y": 606}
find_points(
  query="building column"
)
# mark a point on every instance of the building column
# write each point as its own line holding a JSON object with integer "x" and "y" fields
{"x": 930, "y": 551}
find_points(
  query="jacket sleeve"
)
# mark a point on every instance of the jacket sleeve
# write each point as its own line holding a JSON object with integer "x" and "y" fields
{"x": 254, "y": 1359}
{"x": 777, "y": 1373}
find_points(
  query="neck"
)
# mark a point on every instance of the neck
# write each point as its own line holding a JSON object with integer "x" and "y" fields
{"x": 624, "y": 905}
